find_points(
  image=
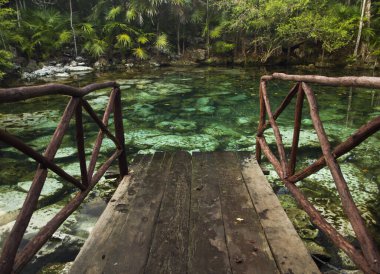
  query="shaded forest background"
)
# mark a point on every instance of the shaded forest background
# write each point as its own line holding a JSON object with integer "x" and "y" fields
{"x": 330, "y": 32}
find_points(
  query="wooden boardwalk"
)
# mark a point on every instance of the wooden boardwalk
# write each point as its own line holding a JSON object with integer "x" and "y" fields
{"x": 201, "y": 213}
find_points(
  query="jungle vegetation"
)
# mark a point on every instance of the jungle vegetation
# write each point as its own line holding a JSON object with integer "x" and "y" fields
{"x": 255, "y": 30}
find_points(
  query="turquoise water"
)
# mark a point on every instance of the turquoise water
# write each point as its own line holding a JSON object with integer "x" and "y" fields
{"x": 195, "y": 109}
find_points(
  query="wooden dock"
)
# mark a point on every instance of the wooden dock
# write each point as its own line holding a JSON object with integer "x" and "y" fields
{"x": 201, "y": 213}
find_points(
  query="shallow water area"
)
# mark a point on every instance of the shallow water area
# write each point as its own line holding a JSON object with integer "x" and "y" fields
{"x": 194, "y": 109}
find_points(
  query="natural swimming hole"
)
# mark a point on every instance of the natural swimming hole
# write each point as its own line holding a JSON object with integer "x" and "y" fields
{"x": 194, "y": 109}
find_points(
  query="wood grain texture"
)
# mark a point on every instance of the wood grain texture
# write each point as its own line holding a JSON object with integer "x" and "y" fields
{"x": 122, "y": 238}
{"x": 194, "y": 214}
{"x": 288, "y": 250}
{"x": 248, "y": 249}
{"x": 207, "y": 245}
{"x": 169, "y": 251}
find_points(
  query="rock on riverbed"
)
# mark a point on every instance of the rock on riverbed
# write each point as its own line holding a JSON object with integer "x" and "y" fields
{"x": 57, "y": 71}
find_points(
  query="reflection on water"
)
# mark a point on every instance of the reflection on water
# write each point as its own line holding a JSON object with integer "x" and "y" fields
{"x": 195, "y": 109}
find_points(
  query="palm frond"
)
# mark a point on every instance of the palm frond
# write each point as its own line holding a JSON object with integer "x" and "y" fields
{"x": 142, "y": 39}
{"x": 115, "y": 11}
{"x": 140, "y": 53}
{"x": 124, "y": 40}
{"x": 162, "y": 42}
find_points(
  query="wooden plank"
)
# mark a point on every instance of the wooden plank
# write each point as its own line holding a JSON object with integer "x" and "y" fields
{"x": 90, "y": 259}
{"x": 288, "y": 249}
{"x": 207, "y": 246}
{"x": 169, "y": 251}
{"x": 135, "y": 236}
{"x": 247, "y": 246}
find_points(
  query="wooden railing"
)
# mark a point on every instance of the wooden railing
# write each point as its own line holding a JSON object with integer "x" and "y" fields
{"x": 12, "y": 259}
{"x": 367, "y": 257}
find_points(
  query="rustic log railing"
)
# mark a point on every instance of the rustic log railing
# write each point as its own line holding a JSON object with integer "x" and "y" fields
{"x": 367, "y": 257}
{"x": 12, "y": 259}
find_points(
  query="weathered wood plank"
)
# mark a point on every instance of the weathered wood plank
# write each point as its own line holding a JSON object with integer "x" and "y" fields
{"x": 207, "y": 246}
{"x": 134, "y": 237}
{"x": 288, "y": 250}
{"x": 248, "y": 249}
{"x": 90, "y": 259}
{"x": 169, "y": 251}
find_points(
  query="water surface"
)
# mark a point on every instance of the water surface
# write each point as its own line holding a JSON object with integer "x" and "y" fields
{"x": 194, "y": 109}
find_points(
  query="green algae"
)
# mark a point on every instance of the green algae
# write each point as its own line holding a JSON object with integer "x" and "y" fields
{"x": 199, "y": 109}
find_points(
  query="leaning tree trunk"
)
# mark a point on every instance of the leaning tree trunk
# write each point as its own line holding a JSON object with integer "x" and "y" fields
{"x": 364, "y": 50}
{"x": 18, "y": 13}
{"x": 360, "y": 29}
{"x": 73, "y": 30}
{"x": 208, "y": 30}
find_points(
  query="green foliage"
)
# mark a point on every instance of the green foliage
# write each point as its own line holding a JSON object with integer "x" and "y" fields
{"x": 216, "y": 32}
{"x": 142, "y": 39}
{"x": 260, "y": 29}
{"x": 5, "y": 62}
{"x": 7, "y": 25}
{"x": 140, "y": 53}
{"x": 124, "y": 40}
{"x": 44, "y": 32}
{"x": 223, "y": 47}
{"x": 96, "y": 47}
{"x": 115, "y": 11}
{"x": 162, "y": 43}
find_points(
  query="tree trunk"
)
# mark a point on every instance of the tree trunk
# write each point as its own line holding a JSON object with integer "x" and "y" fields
{"x": 18, "y": 13}
{"x": 208, "y": 30}
{"x": 73, "y": 30}
{"x": 360, "y": 29}
{"x": 183, "y": 40}
{"x": 178, "y": 37}
{"x": 364, "y": 51}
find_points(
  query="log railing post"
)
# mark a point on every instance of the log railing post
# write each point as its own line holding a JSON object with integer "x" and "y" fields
{"x": 366, "y": 242}
{"x": 119, "y": 132}
{"x": 80, "y": 144}
{"x": 367, "y": 257}
{"x": 12, "y": 259}
{"x": 99, "y": 138}
{"x": 261, "y": 126}
{"x": 296, "y": 131}
{"x": 276, "y": 131}
{"x": 13, "y": 241}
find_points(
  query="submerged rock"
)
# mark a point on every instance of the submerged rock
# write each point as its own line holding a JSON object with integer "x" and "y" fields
{"x": 308, "y": 137}
{"x": 156, "y": 140}
{"x": 299, "y": 218}
{"x": 219, "y": 130}
{"x": 51, "y": 187}
{"x": 177, "y": 125}
{"x": 321, "y": 189}
{"x": 244, "y": 143}
{"x": 30, "y": 121}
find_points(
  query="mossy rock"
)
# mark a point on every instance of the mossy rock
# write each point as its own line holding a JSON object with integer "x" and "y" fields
{"x": 178, "y": 125}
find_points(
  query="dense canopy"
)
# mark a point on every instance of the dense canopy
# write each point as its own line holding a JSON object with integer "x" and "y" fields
{"x": 249, "y": 30}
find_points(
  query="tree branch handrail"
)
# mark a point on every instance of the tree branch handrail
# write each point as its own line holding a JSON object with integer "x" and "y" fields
{"x": 368, "y": 256}
{"x": 346, "y": 81}
{"x": 12, "y": 259}
{"x": 22, "y": 93}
